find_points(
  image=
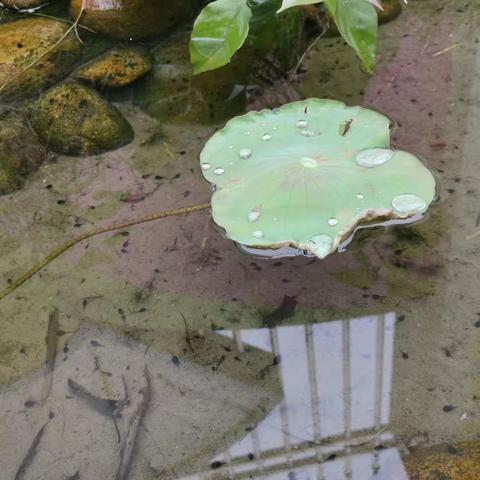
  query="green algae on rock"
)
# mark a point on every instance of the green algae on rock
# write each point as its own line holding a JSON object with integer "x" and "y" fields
{"x": 459, "y": 461}
{"x": 117, "y": 68}
{"x": 25, "y": 65}
{"x": 76, "y": 120}
{"x": 132, "y": 19}
{"x": 20, "y": 150}
{"x": 306, "y": 174}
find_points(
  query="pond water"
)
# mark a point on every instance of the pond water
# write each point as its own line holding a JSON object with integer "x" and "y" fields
{"x": 164, "y": 352}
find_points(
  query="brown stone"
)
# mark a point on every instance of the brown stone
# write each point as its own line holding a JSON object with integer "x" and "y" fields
{"x": 445, "y": 462}
{"x": 117, "y": 68}
{"x": 132, "y": 19}
{"x": 25, "y": 67}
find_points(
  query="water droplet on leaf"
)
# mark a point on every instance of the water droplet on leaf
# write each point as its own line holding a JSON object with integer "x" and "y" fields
{"x": 373, "y": 157}
{"x": 245, "y": 153}
{"x": 332, "y": 222}
{"x": 266, "y": 137}
{"x": 219, "y": 171}
{"x": 308, "y": 162}
{"x": 206, "y": 166}
{"x": 257, "y": 234}
{"x": 253, "y": 216}
{"x": 408, "y": 203}
{"x": 320, "y": 245}
{"x": 302, "y": 124}
{"x": 308, "y": 133}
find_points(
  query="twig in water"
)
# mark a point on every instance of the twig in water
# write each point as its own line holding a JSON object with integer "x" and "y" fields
{"x": 74, "y": 241}
{"x": 30, "y": 453}
{"x": 132, "y": 433}
{"x": 445, "y": 50}
{"x": 306, "y": 52}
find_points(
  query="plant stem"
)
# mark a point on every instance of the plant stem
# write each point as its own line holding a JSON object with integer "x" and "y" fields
{"x": 56, "y": 252}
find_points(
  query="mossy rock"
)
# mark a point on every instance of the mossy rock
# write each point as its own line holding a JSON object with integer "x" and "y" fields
{"x": 117, "y": 68}
{"x": 20, "y": 150}
{"x": 445, "y": 462}
{"x": 133, "y": 19}
{"x": 391, "y": 10}
{"x": 26, "y": 40}
{"x": 172, "y": 91}
{"x": 76, "y": 120}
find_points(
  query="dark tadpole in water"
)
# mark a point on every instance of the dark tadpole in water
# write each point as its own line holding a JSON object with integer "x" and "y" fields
{"x": 30, "y": 453}
{"x": 281, "y": 313}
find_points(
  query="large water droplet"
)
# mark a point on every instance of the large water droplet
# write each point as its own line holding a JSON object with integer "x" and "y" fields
{"x": 308, "y": 133}
{"x": 257, "y": 234}
{"x": 245, "y": 153}
{"x": 206, "y": 166}
{"x": 332, "y": 221}
{"x": 219, "y": 171}
{"x": 253, "y": 216}
{"x": 302, "y": 124}
{"x": 373, "y": 157}
{"x": 360, "y": 195}
{"x": 266, "y": 137}
{"x": 308, "y": 162}
{"x": 408, "y": 203}
{"x": 320, "y": 245}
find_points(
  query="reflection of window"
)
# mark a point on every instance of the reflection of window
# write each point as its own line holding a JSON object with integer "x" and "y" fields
{"x": 336, "y": 379}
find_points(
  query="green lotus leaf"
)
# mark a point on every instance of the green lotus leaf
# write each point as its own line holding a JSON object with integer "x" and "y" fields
{"x": 307, "y": 174}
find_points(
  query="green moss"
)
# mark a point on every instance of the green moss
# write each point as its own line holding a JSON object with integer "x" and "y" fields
{"x": 28, "y": 63}
{"x": 357, "y": 278}
{"x": 76, "y": 120}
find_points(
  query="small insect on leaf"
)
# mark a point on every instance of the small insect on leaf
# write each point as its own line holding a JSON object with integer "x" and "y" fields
{"x": 345, "y": 127}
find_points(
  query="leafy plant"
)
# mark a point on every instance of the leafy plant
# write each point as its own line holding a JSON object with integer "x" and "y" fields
{"x": 306, "y": 174}
{"x": 223, "y": 26}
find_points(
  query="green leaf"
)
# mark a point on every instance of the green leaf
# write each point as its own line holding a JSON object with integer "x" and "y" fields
{"x": 306, "y": 174}
{"x": 358, "y": 24}
{"x": 219, "y": 31}
{"x": 295, "y": 3}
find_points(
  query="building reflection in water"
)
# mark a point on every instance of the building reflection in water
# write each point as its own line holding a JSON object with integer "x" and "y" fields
{"x": 332, "y": 423}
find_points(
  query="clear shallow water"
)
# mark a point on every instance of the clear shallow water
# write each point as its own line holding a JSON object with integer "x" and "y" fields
{"x": 280, "y": 369}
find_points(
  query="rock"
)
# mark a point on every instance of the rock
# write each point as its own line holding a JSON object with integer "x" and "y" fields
{"x": 7, "y": 15}
{"x": 25, "y": 40}
{"x": 76, "y": 120}
{"x": 22, "y": 4}
{"x": 117, "y": 68}
{"x": 172, "y": 91}
{"x": 133, "y": 19}
{"x": 20, "y": 150}
{"x": 391, "y": 10}
{"x": 445, "y": 462}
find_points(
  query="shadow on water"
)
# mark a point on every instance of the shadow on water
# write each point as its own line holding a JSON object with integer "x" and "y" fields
{"x": 173, "y": 355}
